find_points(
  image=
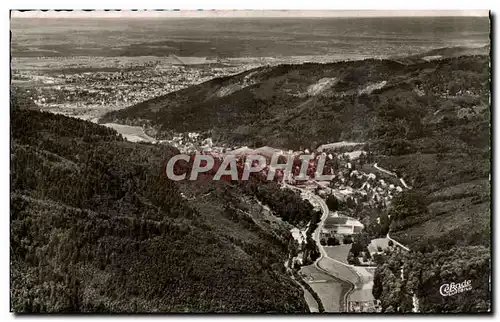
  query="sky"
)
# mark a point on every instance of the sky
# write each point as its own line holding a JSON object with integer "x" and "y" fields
{"x": 244, "y": 13}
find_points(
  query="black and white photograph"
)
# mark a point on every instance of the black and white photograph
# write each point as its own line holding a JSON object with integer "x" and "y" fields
{"x": 250, "y": 161}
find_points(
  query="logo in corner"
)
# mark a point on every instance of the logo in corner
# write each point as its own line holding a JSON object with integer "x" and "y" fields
{"x": 455, "y": 288}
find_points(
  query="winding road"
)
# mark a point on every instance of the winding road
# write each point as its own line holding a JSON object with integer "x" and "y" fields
{"x": 340, "y": 271}
{"x": 332, "y": 267}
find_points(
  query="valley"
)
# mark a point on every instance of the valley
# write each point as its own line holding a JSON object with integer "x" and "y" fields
{"x": 416, "y": 108}
{"x": 96, "y": 225}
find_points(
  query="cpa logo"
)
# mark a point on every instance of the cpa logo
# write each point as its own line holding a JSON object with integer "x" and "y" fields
{"x": 455, "y": 288}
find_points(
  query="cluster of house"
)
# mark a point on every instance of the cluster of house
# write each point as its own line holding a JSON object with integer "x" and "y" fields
{"x": 190, "y": 141}
{"x": 116, "y": 89}
{"x": 348, "y": 183}
{"x": 373, "y": 190}
{"x": 357, "y": 185}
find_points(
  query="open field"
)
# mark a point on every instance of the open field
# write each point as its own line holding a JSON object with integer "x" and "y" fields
{"x": 131, "y": 133}
{"x": 339, "y": 252}
{"x": 383, "y": 243}
{"x": 338, "y": 269}
{"x": 330, "y": 290}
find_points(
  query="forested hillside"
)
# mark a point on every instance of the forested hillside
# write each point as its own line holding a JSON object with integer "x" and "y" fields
{"x": 426, "y": 120}
{"x": 403, "y": 277}
{"x": 396, "y": 104}
{"x": 429, "y": 121}
{"x": 97, "y": 227}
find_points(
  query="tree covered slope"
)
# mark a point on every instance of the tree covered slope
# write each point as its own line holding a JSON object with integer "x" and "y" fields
{"x": 96, "y": 227}
{"x": 292, "y": 106}
{"x": 428, "y": 120}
